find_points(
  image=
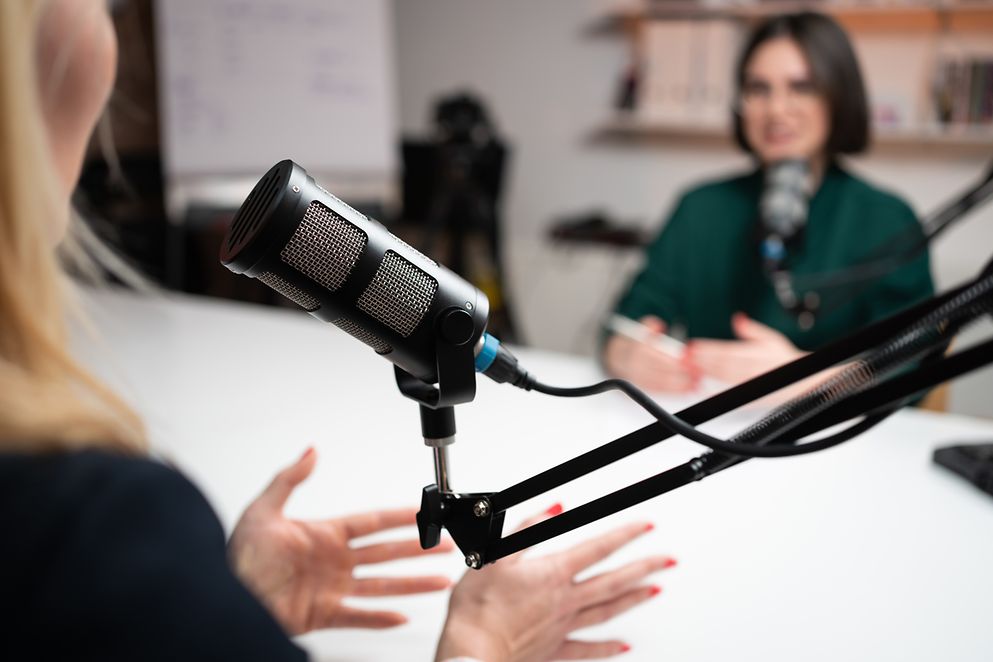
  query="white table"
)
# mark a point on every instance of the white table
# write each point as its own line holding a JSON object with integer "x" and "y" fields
{"x": 864, "y": 552}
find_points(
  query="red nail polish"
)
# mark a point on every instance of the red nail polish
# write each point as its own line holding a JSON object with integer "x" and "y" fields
{"x": 668, "y": 563}
{"x": 649, "y": 527}
{"x": 655, "y": 591}
{"x": 554, "y": 510}
{"x": 625, "y": 648}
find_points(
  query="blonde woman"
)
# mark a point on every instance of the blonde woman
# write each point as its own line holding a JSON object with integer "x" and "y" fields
{"x": 108, "y": 555}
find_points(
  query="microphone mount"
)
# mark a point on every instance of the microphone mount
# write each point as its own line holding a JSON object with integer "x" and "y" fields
{"x": 468, "y": 517}
{"x": 475, "y": 520}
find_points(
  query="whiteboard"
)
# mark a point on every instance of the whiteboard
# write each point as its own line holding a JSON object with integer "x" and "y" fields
{"x": 246, "y": 83}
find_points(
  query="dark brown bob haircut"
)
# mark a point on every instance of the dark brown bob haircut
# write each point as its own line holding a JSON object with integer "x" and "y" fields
{"x": 835, "y": 72}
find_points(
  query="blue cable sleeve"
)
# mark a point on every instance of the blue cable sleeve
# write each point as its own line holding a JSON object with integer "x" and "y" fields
{"x": 488, "y": 353}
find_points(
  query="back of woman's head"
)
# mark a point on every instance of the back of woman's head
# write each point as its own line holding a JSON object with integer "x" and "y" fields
{"x": 47, "y": 401}
{"x": 833, "y": 67}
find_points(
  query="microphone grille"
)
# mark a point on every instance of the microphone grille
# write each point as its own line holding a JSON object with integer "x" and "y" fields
{"x": 359, "y": 333}
{"x": 290, "y": 291}
{"x": 399, "y": 294}
{"x": 325, "y": 247}
{"x": 786, "y": 197}
{"x": 253, "y": 210}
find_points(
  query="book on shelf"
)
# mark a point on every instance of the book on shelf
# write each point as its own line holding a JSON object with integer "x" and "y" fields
{"x": 962, "y": 92}
{"x": 687, "y": 74}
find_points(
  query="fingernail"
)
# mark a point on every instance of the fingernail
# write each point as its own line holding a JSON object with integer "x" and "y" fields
{"x": 307, "y": 453}
{"x": 668, "y": 563}
{"x": 625, "y": 648}
{"x": 649, "y": 527}
{"x": 655, "y": 591}
{"x": 554, "y": 510}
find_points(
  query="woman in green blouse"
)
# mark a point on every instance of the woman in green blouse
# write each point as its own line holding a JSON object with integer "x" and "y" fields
{"x": 799, "y": 96}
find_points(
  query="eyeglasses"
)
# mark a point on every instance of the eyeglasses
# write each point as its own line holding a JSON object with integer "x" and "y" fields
{"x": 758, "y": 95}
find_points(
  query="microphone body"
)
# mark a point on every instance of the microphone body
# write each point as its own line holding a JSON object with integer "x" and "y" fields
{"x": 783, "y": 208}
{"x": 347, "y": 269}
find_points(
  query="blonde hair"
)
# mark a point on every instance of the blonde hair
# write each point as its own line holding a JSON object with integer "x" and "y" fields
{"x": 47, "y": 400}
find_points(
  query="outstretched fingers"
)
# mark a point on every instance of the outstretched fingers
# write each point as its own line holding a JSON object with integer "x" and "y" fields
{"x": 365, "y": 524}
{"x": 546, "y": 514}
{"x": 390, "y": 551}
{"x": 609, "y": 585}
{"x": 540, "y": 517}
{"x": 287, "y": 480}
{"x": 592, "y": 551}
{"x": 349, "y": 617}
{"x": 604, "y": 611}
{"x": 379, "y": 586}
{"x": 589, "y": 650}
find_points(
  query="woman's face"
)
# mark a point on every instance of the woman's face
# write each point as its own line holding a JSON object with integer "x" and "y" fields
{"x": 77, "y": 61}
{"x": 783, "y": 114}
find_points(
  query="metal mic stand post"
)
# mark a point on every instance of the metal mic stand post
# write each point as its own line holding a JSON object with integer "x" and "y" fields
{"x": 468, "y": 517}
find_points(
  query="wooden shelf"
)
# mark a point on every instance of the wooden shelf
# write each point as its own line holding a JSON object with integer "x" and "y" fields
{"x": 894, "y": 16}
{"x": 965, "y": 136}
{"x": 632, "y": 130}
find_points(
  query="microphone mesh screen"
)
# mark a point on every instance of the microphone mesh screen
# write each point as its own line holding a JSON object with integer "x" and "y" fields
{"x": 399, "y": 295}
{"x": 324, "y": 247}
{"x": 356, "y": 331}
{"x": 290, "y": 291}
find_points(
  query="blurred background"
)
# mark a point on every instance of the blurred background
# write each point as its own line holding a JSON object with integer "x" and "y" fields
{"x": 534, "y": 147}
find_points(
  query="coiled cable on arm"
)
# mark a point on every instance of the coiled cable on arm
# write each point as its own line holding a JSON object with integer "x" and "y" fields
{"x": 935, "y": 330}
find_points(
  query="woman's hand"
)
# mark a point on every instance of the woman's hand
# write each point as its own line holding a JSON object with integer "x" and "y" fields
{"x": 302, "y": 571}
{"x": 646, "y": 366}
{"x": 524, "y": 609}
{"x": 759, "y": 348}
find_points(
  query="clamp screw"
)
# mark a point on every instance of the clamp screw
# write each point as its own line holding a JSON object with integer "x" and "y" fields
{"x": 481, "y": 508}
{"x": 474, "y": 560}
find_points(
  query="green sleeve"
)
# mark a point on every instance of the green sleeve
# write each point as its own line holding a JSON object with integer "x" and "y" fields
{"x": 655, "y": 290}
{"x": 909, "y": 283}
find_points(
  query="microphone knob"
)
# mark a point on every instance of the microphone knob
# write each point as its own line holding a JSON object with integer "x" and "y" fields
{"x": 457, "y": 327}
{"x": 429, "y": 517}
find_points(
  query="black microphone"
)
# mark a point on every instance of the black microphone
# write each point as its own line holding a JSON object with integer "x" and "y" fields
{"x": 783, "y": 211}
{"x": 783, "y": 207}
{"x": 345, "y": 268}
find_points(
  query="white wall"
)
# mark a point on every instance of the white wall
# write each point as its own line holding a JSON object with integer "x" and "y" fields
{"x": 549, "y": 83}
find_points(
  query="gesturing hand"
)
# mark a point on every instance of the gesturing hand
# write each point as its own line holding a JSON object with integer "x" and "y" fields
{"x": 759, "y": 348}
{"x": 302, "y": 570}
{"x": 646, "y": 366}
{"x": 523, "y": 610}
